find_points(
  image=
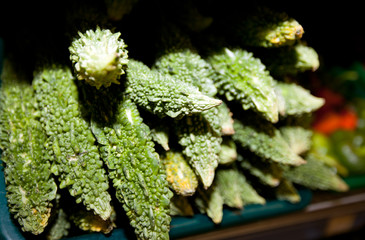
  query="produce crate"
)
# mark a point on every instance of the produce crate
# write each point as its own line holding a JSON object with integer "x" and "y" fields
{"x": 180, "y": 226}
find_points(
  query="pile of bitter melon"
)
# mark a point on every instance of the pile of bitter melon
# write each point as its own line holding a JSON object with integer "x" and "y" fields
{"x": 136, "y": 111}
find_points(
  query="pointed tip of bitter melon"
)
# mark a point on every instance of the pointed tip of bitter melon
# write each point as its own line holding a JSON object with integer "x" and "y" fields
{"x": 340, "y": 185}
{"x": 203, "y": 102}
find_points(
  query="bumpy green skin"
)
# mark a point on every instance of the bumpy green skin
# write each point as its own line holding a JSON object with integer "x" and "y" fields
{"x": 316, "y": 175}
{"x": 99, "y": 57}
{"x": 210, "y": 202}
{"x": 291, "y": 60}
{"x": 268, "y": 28}
{"x": 71, "y": 144}
{"x": 201, "y": 146}
{"x": 164, "y": 95}
{"x": 188, "y": 67}
{"x": 134, "y": 167}
{"x": 160, "y": 134}
{"x": 199, "y": 134}
{"x": 30, "y": 186}
{"x": 179, "y": 174}
{"x": 267, "y": 173}
{"x": 243, "y": 78}
{"x": 298, "y": 138}
{"x": 266, "y": 141}
{"x": 248, "y": 194}
{"x": 295, "y": 100}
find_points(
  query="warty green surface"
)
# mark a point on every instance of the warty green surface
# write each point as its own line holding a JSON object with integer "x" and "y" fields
{"x": 181, "y": 177}
{"x": 199, "y": 134}
{"x": 99, "y": 57}
{"x": 266, "y": 141}
{"x": 134, "y": 167}
{"x": 164, "y": 95}
{"x": 228, "y": 152}
{"x": 71, "y": 144}
{"x": 60, "y": 226}
{"x": 295, "y": 100}
{"x": 30, "y": 186}
{"x": 229, "y": 187}
{"x": 316, "y": 175}
{"x": 241, "y": 77}
{"x": 201, "y": 145}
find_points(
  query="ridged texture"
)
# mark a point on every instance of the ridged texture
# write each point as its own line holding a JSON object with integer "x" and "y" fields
{"x": 99, "y": 57}
{"x": 241, "y": 77}
{"x": 228, "y": 153}
{"x": 179, "y": 174}
{"x": 164, "y": 95}
{"x": 266, "y": 141}
{"x": 296, "y": 100}
{"x": 315, "y": 174}
{"x": 266, "y": 27}
{"x": 199, "y": 134}
{"x": 134, "y": 167}
{"x": 71, "y": 144}
{"x": 30, "y": 186}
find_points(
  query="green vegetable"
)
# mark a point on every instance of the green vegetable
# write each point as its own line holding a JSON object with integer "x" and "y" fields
{"x": 349, "y": 149}
{"x": 298, "y": 138}
{"x": 265, "y": 27}
{"x": 228, "y": 153}
{"x": 210, "y": 202}
{"x": 241, "y": 77}
{"x": 291, "y": 60}
{"x": 235, "y": 189}
{"x": 164, "y": 95}
{"x": 99, "y": 57}
{"x": 179, "y": 174}
{"x": 295, "y": 100}
{"x": 30, "y": 186}
{"x": 201, "y": 144}
{"x": 287, "y": 191}
{"x": 268, "y": 173}
{"x": 71, "y": 144}
{"x": 315, "y": 174}
{"x": 134, "y": 167}
{"x": 266, "y": 141}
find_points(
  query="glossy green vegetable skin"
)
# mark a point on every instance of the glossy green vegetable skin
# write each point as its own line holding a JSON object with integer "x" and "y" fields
{"x": 126, "y": 146}
{"x": 164, "y": 95}
{"x": 241, "y": 77}
{"x": 71, "y": 144}
{"x": 30, "y": 186}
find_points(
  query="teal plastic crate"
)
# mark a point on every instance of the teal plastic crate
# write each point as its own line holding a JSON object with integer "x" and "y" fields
{"x": 180, "y": 226}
